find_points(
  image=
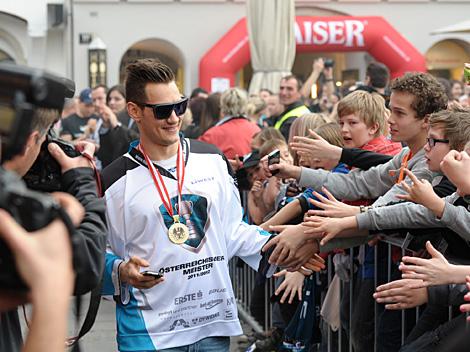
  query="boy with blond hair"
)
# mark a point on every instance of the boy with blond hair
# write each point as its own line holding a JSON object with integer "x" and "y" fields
{"x": 363, "y": 120}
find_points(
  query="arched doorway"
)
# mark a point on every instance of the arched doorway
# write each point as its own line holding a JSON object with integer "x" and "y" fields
{"x": 446, "y": 58}
{"x": 13, "y": 35}
{"x": 316, "y": 34}
{"x": 4, "y": 57}
{"x": 159, "y": 49}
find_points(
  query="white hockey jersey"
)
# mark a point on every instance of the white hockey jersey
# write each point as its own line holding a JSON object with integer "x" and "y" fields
{"x": 196, "y": 300}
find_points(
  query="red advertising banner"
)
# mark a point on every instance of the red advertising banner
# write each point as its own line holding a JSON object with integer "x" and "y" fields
{"x": 315, "y": 34}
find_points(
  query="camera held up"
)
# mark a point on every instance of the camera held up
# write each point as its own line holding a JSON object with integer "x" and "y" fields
{"x": 22, "y": 90}
{"x": 45, "y": 174}
{"x": 328, "y": 63}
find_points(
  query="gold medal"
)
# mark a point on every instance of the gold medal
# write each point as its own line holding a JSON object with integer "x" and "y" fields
{"x": 178, "y": 233}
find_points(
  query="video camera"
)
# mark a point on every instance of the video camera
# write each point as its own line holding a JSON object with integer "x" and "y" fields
{"x": 22, "y": 90}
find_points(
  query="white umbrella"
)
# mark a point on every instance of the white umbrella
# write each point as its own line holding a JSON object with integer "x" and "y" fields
{"x": 461, "y": 27}
{"x": 272, "y": 41}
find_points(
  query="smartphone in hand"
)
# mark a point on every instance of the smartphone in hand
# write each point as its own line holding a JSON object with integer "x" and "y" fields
{"x": 154, "y": 274}
{"x": 274, "y": 158}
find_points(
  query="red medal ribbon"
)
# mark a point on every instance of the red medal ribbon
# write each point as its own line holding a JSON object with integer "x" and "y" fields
{"x": 160, "y": 185}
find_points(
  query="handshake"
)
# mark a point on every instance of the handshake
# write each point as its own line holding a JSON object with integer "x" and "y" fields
{"x": 290, "y": 249}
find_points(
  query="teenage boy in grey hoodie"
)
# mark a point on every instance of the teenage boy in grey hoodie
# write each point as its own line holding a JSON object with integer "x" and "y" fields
{"x": 449, "y": 130}
{"x": 414, "y": 97}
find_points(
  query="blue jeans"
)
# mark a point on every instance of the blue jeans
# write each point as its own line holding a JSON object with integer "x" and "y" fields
{"x": 209, "y": 344}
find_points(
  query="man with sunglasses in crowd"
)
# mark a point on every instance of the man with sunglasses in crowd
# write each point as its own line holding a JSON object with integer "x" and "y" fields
{"x": 175, "y": 221}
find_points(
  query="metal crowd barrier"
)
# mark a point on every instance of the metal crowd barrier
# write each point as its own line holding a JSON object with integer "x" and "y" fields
{"x": 243, "y": 281}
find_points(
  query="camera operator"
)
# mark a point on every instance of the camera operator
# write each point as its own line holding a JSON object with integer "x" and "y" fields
{"x": 88, "y": 236}
{"x": 78, "y": 179}
{"x": 322, "y": 70}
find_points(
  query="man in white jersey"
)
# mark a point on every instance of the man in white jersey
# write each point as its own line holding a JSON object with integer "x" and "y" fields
{"x": 173, "y": 209}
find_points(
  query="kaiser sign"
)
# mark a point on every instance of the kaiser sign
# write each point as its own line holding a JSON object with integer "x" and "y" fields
{"x": 316, "y": 34}
{"x": 348, "y": 32}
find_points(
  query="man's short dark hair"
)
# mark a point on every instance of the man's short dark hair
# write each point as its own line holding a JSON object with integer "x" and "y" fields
{"x": 144, "y": 71}
{"x": 297, "y": 79}
{"x": 196, "y": 91}
{"x": 429, "y": 95}
{"x": 101, "y": 86}
{"x": 378, "y": 74}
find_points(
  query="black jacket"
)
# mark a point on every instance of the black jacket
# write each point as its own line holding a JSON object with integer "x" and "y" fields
{"x": 115, "y": 142}
{"x": 90, "y": 236}
{"x": 363, "y": 159}
{"x": 89, "y": 248}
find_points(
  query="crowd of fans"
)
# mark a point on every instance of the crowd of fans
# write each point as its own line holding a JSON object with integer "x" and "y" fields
{"x": 358, "y": 165}
{"x": 378, "y": 150}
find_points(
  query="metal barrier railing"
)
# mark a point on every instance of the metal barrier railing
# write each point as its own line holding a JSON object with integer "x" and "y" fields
{"x": 243, "y": 281}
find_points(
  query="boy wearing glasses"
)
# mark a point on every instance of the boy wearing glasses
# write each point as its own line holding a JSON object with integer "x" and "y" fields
{"x": 449, "y": 130}
{"x": 175, "y": 220}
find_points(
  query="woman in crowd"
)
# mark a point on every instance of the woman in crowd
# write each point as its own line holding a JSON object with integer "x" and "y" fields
{"x": 211, "y": 113}
{"x": 233, "y": 133}
{"x": 116, "y": 98}
{"x": 256, "y": 111}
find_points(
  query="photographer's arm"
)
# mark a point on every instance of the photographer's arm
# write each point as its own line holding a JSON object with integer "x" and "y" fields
{"x": 317, "y": 68}
{"x": 91, "y": 234}
{"x": 329, "y": 81}
{"x": 78, "y": 179}
{"x": 49, "y": 320}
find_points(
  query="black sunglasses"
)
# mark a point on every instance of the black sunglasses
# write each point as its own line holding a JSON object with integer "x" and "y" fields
{"x": 164, "y": 111}
{"x": 432, "y": 141}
